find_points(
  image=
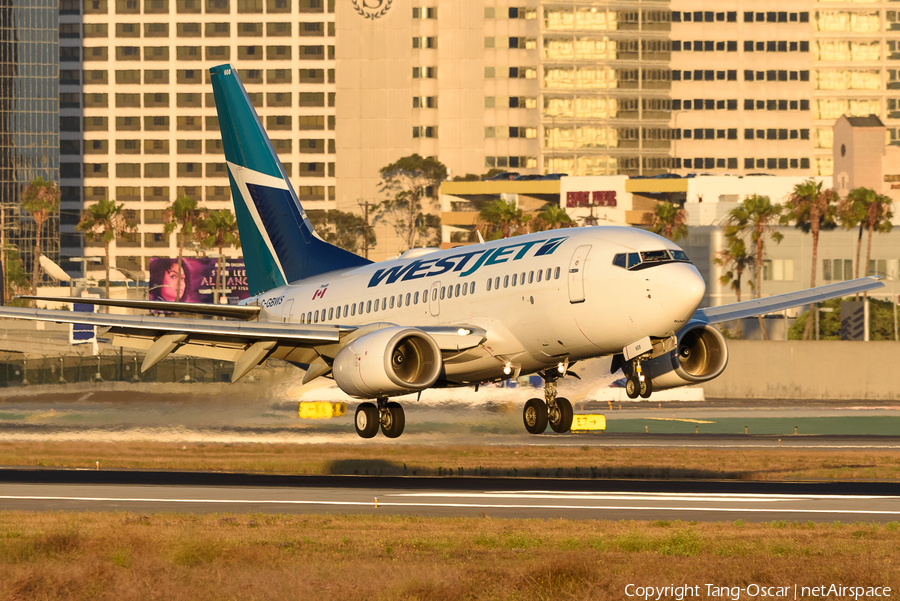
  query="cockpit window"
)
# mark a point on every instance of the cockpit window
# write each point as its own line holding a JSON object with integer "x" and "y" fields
{"x": 649, "y": 258}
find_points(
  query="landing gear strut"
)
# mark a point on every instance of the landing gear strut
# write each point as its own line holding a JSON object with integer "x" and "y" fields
{"x": 388, "y": 415}
{"x": 557, "y": 411}
{"x": 639, "y": 382}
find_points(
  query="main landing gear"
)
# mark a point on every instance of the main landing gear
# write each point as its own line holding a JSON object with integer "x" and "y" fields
{"x": 557, "y": 411}
{"x": 639, "y": 382}
{"x": 389, "y": 416}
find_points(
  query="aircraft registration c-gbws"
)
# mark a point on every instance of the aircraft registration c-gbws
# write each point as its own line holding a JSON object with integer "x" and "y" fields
{"x": 533, "y": 304}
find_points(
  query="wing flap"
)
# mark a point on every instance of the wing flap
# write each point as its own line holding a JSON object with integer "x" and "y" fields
{"x": 202, "y": 329}
{"x": 230, "y": 311}
{"x": 771, "y": 304}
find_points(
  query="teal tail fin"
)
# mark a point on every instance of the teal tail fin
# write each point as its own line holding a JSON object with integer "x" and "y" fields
{"x": 279, "y": 243}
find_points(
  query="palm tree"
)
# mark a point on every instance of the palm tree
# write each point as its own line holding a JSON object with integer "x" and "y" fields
{"x": 218, "y": 229}
{"x": 878, "y": 219}
{"x": 851, "y": 213}
{"x": 552, "y": 217}
{"x": 811, "y": 209}
{"x": 735, "y": 258}
{"x": 756, "y": 217}
{"x": 504, "y": 215}
{"x": 184, "y": 215}
{"x": 107, "y": 220}
{"x": 41, "y": 199}
{"x": 667, "y": 220}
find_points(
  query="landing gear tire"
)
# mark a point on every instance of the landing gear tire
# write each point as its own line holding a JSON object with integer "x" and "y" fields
{"x": 535, "y": 416}
{"x": 632, "y": 387}
{"x": 646, "y": 387}
{"x": 367, "y": 420}
{"x": 561, "y": 418}
{"x": 393, "y": 420}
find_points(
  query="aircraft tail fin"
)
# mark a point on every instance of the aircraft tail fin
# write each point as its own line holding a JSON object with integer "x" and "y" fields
{"x": 279, "y": 243}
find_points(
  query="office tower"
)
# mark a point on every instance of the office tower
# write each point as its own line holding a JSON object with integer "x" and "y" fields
{"x": 138, "y": 119}
{"x": 29, "y": 116}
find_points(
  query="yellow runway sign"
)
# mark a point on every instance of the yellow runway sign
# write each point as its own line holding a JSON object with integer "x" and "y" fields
{"x": 321, "y": 410}
{"x": 586, "y": 422}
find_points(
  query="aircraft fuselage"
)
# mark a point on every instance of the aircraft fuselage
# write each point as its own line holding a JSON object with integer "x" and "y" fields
{"x": 544, "y": 298}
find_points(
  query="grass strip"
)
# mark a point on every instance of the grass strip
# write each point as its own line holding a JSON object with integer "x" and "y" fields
{"x": 102, "y": 556}
{"x": 488, "y": 461}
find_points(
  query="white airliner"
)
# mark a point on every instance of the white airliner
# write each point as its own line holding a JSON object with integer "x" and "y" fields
{"x": 533, "y": 304}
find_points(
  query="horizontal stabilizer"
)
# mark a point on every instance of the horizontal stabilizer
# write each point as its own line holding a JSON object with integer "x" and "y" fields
{"x": 772, "y": 304}
{"x": 230, "y": 311}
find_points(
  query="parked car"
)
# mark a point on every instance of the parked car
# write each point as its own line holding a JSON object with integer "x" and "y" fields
{"x": 502, "y": 176}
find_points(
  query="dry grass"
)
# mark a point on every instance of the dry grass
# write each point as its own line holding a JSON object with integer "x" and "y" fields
{"x": 218, "y": 557}
{"x": 584, "y": 462}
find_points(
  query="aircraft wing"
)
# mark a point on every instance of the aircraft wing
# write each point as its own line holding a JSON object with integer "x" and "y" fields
{"x": 771, "y": 304}
{"x": 247, "y": 343}
{"x": 230, "y": 311}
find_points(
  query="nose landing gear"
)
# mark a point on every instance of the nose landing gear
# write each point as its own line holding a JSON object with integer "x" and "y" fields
{"x": 639, "y": 382}
{"x": 557, "y": 411}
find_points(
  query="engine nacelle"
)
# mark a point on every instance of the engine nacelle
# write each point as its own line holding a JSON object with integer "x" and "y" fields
{"x": 700, "y": 355}
{"x": 388, "y": 362}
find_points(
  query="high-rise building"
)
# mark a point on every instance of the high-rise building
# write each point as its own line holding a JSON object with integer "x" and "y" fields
{"x": 138, "y": 120}
{"x": 29, "y": 122}
{"x": 584, "y": 87}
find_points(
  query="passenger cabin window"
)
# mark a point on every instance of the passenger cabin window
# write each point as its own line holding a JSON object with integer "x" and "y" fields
{"x": 330, "y": 314}
{"x": 548, "y": 272}
{"x": 506, "y": 281}
{"x": 472, "y": 288}
{"x": 649, "y": 258}
{"x": 556, "y": 274}
{"x": 515, "y": 278}
{"x": 497, "y": 282}
{"x": 530, "y": 277}
{"x": 489, "y": 282}
{"x": 540, "y": 275}
{"x": 376, "y": 304}
{"x": 457, "y": 290}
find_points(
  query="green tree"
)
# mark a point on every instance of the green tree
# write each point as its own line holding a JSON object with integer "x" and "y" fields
{"x": 504, "y": 218}
{"x": 551, "y": 217}
{"x": 811, "y": 209}
{"x": 881, "y": 321}
{"x": 16, "y": 278}
{"x": 755, "y": 218}
{"x": 41, "y": 199}
{"x": 667, "y": 220}
{"x": 851, "y": 213}
{"x": 183, "y": 215}
{"x": 735, "y": 258}
{"x": 219, "y": 229}
{"x": 878, "y": 219}
{"x": 346, "y": 230}
{"x": 408, "y": 183}
{"x": 105, "y": 220}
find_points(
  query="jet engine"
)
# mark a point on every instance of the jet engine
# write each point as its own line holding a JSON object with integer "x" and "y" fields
{"x": 387, "y": 362}
{"x": 700, "y": 354}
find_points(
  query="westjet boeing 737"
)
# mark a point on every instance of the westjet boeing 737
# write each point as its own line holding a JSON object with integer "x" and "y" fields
{"x": 533, "y": 304}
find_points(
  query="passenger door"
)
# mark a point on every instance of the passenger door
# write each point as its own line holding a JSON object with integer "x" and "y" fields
{"x": 576, "y": 274}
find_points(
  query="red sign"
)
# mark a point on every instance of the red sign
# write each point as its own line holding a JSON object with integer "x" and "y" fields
{"x": 598, "y": 198}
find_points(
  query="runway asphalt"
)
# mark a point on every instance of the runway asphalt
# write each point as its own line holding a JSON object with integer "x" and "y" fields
{"x": 155, "y": 492}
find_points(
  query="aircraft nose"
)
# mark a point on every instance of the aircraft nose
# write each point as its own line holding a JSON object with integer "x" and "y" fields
{"x": 680, "y": 289}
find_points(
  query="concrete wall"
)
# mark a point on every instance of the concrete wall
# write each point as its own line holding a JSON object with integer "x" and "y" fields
{"x": 808, "y": 370}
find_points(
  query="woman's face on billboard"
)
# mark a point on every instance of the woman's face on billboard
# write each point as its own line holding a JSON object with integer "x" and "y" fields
{"x": 170, "y": 285}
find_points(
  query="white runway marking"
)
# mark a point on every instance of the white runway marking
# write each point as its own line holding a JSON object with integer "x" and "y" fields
{"x": 453, "y": 505}
{"x": 647, "y": 496}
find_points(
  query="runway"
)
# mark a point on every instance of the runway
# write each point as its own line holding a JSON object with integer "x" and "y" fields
{"x": 180, "y": 492}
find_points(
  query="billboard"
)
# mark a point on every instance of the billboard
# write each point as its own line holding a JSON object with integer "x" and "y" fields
{"x": 198, "y": 280}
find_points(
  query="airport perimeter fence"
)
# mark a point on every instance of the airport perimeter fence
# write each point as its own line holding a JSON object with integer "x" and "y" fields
{"x": 110, "y": 366}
